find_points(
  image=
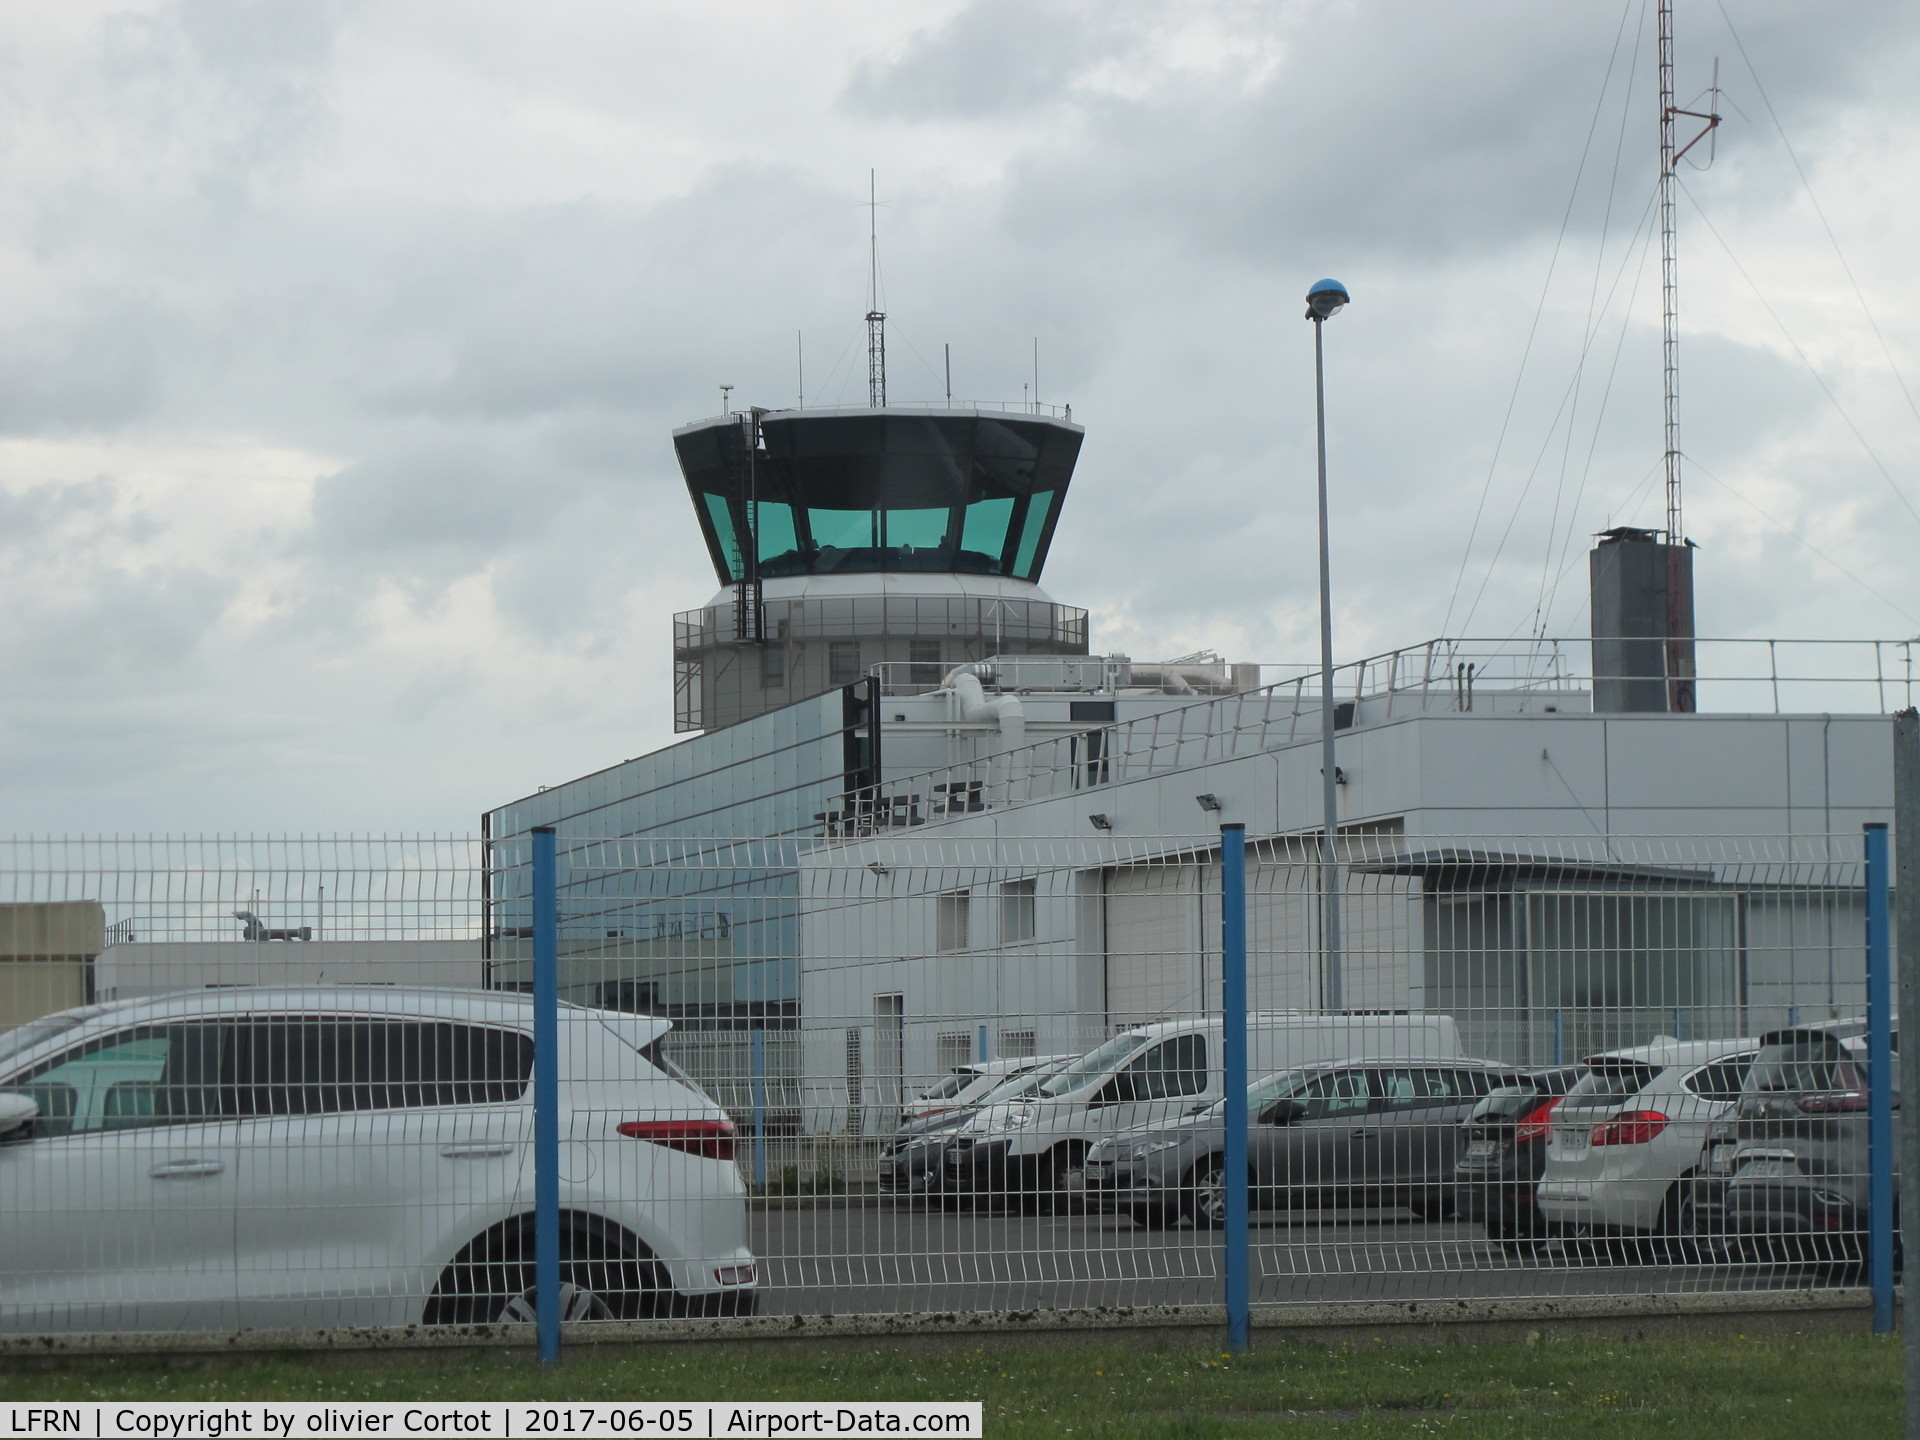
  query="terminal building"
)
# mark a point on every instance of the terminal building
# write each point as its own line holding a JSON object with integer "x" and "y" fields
{"x": 880, "y": 688}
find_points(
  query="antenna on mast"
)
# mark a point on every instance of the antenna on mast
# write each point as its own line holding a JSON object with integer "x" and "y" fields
{"x": 1669, "y": 279}
{"x": 1678, "y": 660}
{"x": 876, "y": 318}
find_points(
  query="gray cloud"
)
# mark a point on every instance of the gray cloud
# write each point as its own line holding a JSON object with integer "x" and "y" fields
{"x": 992, "y": 58}
{"x": 327, "y": 242}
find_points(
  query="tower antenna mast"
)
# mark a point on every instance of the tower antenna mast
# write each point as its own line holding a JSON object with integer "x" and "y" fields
{"x": 876, "y": 318}
{"x": 1669, "y": 279}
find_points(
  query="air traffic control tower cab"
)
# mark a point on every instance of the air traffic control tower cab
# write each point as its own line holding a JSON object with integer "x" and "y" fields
{"x": 899, "y": 537}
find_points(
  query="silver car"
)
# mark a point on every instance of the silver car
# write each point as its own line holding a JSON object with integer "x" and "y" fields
{"x": 1369, "y": 1132}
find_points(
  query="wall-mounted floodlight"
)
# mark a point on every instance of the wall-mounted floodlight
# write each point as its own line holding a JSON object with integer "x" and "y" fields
{"x": 1326, "y": 299}
{"x": 1100, "y": 822}
{"x": 877, "y": 867}
{"x": 1208, "y": 802}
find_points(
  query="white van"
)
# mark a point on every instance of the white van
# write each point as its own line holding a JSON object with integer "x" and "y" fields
{"x": 1154, "y": 1073}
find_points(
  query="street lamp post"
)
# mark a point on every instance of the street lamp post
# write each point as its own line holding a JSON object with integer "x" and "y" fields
{"x": 1325, "y": 300}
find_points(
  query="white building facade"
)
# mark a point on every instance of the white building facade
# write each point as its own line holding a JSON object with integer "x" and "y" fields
{"x": 1560, "y": 881}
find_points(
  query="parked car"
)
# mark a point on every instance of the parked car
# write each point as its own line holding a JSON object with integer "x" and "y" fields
{"x": 968, "y": 1084}
{"x": 1034, "y": 1151}
{"x": 279, "y": 1158}
{"x": 1624, "y": 1160}
{"x": 1503, "y": 1152}
{"x": 912, "y": 1162}
{"x": 1380, "y": 1132}
{"x": 1795, "y": 1167}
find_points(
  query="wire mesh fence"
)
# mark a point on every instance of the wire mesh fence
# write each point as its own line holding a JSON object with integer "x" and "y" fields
{"x": 286, "y": 1083}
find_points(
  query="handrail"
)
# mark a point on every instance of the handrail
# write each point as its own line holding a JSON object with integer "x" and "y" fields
{"x": 1267, "y": 717}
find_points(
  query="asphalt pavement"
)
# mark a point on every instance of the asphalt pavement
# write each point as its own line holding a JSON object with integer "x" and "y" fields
{"x": 902, "y": 1257}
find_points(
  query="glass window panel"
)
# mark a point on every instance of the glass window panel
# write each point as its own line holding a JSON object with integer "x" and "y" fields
{"x": 843, "y": 662}
{"x": 1037, "y": 509}
{"x": 983, "y": 535}
{"x": 318, "y": 1066}
{"x": 152, "y": 1076}
{"x": 778, "y": 540}
{"x": 918, "y": 538}
{"x": 722, "y": 518}
{"x": 1342, "y": 1093}
{"x": 1178, "y": 1067}
{"x": 843, "y": 529}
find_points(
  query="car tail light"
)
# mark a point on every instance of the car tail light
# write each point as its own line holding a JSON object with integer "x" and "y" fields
{"x": 710, "y": 1138}
{"x": 1834, "y": 1104}
{"x": 1535, "y": 1124}
{"x": 1631, "y": 1127}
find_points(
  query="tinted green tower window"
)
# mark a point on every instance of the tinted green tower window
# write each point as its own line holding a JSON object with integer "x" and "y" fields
{"x": 837, "y": 494}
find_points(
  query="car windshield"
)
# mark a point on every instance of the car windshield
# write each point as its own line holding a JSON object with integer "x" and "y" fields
{"x": 1804, "y": 1065}
{"x": 22, "y": 1038}
{"x": 951, "y": 1086}
{"x": 1094, "y": 1063}
{"x": 1025, "y": 1083}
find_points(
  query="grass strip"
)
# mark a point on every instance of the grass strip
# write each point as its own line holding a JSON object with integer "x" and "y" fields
{"x": 1822, "y": 1386}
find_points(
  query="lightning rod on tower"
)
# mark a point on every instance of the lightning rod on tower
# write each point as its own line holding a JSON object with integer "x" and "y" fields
{"x": 876, "y": 318}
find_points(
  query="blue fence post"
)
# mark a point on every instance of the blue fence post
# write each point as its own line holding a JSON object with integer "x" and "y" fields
{"x": 1879, "y": 1084}
{"x": 759, "y": 1110}
{"x": 1559, "y": 1037}
{"x": 546, "y": 1097}
{"x": 1233, "y": 1050}
{"x": 980, "y": 1050}
{"x": 1679, "y": 1023}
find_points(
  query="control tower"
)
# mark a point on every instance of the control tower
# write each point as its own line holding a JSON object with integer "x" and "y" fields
{"x": 905, "y": 537}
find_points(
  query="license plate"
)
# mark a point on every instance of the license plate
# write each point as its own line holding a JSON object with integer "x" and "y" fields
{"x": 1572, "y": 1138}
{"x": 1480, "y": 1149}
{"x": 1768, "y": 1170}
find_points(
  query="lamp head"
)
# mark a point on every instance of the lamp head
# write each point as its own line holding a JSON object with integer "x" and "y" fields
{"x": 1100, "y": 822}
{"x": 1326, "y": 299}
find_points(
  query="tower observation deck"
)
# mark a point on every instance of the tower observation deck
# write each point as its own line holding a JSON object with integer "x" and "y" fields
{"x": 844, "y": 539}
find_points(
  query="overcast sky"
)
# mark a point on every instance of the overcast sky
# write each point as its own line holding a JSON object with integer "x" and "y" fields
{"x": 340, "y": 344}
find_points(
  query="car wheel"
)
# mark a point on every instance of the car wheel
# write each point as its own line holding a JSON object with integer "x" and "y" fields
{"x": 1432, "y": 1204}
{"x": 1059, "y": 1181}
{"x": 604, "y": 1275}
{"x": 1689, "y": 1242}
{"x": 1205, "y": 1198}
{"x": 1509, "y": 1223}
{"x": 576, "y": 1303}
{"x": 1153, "y": 1217}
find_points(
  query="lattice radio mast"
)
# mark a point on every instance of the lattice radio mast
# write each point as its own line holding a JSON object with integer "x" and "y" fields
{"x": 876, "y": 318}
{"x": 1669, "y": 279}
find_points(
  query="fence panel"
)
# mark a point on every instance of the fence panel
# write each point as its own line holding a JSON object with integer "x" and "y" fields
{"x": 285, "y": 1082}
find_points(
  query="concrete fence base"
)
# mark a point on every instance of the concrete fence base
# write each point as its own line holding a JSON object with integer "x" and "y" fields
{"x": 1423, "y": 1322}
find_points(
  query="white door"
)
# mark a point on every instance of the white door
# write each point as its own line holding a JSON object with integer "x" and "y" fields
{"x": 372, "y": 1149}
{"x": 1156, "y": 967}
{"x": 119, "y": 1209}
{"x": 1283, "y": 948}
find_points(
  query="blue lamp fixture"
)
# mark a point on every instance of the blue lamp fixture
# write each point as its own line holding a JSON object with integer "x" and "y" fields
{"x": 1326, "y": 299}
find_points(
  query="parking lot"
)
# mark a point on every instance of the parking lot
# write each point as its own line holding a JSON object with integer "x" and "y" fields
{"x": 867, "y": 1257}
